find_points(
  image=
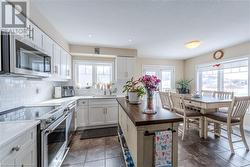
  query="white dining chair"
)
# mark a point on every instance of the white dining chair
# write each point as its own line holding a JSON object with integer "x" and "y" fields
{"x": 207, "y": 93}
{"x": 180, "y": 109}
{"x": 165, "y": 100}
{"x": 235, "y": 116}
{"x": 223, "y": 95}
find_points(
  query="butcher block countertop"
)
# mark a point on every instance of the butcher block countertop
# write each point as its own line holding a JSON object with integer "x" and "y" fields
{"x": 136, "y": 115}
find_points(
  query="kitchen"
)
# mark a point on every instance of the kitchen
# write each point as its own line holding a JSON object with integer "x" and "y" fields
{"x": 65, "y": 77}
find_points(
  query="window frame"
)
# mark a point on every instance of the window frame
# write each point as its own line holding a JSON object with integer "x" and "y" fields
{"x": 158, "y": 70}
{"x": 94, "y": 63}
{"x": 220, "y": 76}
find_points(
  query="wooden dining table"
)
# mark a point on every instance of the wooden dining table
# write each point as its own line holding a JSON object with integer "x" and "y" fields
{"x": 207, "y": 105}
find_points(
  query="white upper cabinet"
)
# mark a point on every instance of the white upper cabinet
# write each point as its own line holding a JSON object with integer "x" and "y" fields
{"x": 47, "y": 45}
{"x": 63, "y": 64}
{"x": 56, "y": 60}
{"x": 125, "y": 67}
{"x": 69, "y": 66}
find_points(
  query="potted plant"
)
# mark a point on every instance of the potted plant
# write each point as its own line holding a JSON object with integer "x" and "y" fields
{"x": 135, "y": 90}
{"x": 183, "y": 86}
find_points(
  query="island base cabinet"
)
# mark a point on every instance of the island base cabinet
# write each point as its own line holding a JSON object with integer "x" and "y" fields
{"x": 141, "y": 146}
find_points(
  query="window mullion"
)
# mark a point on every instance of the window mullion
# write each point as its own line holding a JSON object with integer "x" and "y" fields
{"x": 220, "y": 80}
{"x": 94, "y": 75}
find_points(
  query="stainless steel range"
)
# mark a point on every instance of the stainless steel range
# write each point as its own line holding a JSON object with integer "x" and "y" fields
{"x": 52, "y": 135}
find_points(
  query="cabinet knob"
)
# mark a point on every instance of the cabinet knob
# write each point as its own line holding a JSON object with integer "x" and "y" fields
{"x": 17, "y": 148}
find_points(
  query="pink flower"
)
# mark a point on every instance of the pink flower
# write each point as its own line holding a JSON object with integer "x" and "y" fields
{"x": 150, "y": 82}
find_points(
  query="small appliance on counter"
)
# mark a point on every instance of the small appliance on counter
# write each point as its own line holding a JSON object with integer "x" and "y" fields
{"x": 64, "y": 91}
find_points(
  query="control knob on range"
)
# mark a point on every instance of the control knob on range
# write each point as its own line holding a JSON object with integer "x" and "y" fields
{"x": 50, "y": 120}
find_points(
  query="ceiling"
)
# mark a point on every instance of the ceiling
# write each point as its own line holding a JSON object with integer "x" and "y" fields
{"x": 156, "y": 28}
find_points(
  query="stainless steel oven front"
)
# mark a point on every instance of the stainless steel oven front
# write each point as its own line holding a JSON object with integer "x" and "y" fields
{"x": 54, "y": 143}
{"x": 20, "y": 56}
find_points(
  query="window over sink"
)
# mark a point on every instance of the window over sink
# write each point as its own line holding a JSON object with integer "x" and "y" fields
{"x": 90, "y": 73}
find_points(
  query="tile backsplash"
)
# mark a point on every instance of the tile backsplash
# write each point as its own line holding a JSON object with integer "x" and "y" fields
{"x": 15, "y": 92}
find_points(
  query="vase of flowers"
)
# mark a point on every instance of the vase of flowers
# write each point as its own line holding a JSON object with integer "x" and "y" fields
{"x": 151, "y": 84}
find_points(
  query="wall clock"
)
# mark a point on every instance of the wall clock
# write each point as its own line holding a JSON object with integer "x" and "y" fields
{"x": 218, "y": 54}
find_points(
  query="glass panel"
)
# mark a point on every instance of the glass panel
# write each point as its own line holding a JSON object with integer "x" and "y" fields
{"x": 104, "y": 74}
{"x": 236, "y": 81}
{"x": 55, "y": 141}
{"x": 30, "y": 59}
{"x": 166, "y": 80}
{"x": 209, "y": 80}
{"x": 84, "y": 75}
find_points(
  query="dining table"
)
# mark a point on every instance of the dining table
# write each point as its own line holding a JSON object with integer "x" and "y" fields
{"x": 206, "y": 105}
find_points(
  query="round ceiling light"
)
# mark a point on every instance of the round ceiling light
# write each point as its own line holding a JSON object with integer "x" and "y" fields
{"x": 192, "y": 44}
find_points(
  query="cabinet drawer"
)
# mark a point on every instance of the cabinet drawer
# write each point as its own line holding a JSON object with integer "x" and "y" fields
{"x": 83, "y": 102}
{"x": 24, "y": 139}
{"x": 101, "y": 102}
{"x": 193, "y": 103}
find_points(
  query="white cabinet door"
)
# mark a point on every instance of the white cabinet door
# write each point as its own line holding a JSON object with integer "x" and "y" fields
{"x": 27, "y": 157}
{"x": 112, "y": 115}
{"x": 69, "y": 66}
{"x": 37, "y": 36}
{"x": 48, "y": 45}
{"x": 131, "y": 63}
{"x": 121, "y": 63}
{"x": 97, "y": 115}
{"x": 125, "y": 68}
{"x": 56, "y": 60}
{"x": 82, "y": 116}
{"x": 8, "y": 160}
{"x": 63, "y": 64}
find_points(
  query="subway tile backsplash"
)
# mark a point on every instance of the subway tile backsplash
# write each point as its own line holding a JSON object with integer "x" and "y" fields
{"x": 15, "y": 92}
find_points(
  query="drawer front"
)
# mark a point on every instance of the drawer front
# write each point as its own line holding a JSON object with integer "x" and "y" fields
{"x": 83, "y": 102}
{"x": 193, "y": 103}
{"x": 100, "y": 102}
{"x": 18, "y": 143}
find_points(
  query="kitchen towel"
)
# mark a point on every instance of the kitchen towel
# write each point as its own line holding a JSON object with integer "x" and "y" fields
{"x": 163, "y": 149}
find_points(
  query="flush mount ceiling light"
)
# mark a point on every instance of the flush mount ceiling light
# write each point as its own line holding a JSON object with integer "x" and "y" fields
{"x": 192, "y": 44}
{"x": 90, "y": 35}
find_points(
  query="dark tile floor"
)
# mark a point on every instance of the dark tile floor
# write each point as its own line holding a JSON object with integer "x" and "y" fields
{"x": 193, "y": 152}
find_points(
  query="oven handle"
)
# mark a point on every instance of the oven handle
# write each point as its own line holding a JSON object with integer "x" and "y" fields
{"x": 49, "y": 130}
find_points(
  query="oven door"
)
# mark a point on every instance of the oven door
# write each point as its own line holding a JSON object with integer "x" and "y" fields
{"x": 54, "y": 143}
{"x": 27, "y": 60}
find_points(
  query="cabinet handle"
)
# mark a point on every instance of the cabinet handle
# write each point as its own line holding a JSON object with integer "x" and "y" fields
{"x": 17, "y": 148}
{"x": 32, "y": 33}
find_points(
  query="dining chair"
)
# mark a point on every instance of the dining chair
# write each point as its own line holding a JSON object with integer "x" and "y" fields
{"x": 165, "y": 100}
{"x": 180, "y": 108}
{"x": 235, "y": 116}
{"x": 223, "y": 95}
{"x": 207, "y": 93}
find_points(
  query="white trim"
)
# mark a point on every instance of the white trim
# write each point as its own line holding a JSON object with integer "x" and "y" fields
{"x": 160, "y": 68}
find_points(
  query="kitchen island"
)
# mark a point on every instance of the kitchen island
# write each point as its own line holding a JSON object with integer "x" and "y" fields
{"x": 138, "y": 130}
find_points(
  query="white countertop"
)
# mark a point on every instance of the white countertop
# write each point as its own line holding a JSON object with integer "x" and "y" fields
{"x": 64, "y": 101}
{"x": 13, "y": 129}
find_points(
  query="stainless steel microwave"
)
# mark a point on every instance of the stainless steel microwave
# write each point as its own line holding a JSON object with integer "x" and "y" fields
{"x": 20, "y": 57}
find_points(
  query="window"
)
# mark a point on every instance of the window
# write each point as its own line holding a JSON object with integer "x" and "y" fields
{"x": 90, "y": 73}
{"x": 231, "y": 76}
{"x": 164, "y": 73}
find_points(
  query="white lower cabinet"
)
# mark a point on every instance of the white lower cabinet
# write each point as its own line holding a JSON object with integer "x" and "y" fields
{"x": 95, "y": 112}
{"x": 96, "y": 115}
{"x": 112, "y": 115}
{"x": 20, "y": 152}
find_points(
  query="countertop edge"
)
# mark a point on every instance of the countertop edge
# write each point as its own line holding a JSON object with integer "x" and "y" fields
{"x": 144, "y": 123}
